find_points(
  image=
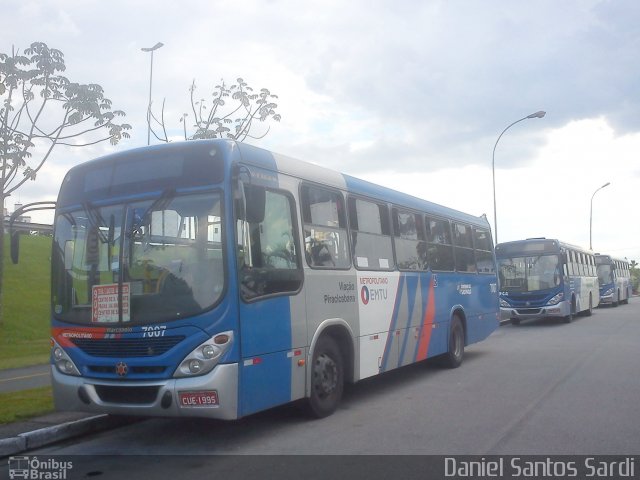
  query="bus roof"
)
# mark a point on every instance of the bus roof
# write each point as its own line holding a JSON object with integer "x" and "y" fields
{"x": 322, "y": 175}
{"x": 603, "y": 258}
{"x": 535, "y": 246}
{"x": 227, "y": 152}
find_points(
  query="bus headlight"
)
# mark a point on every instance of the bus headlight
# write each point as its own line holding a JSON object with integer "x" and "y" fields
{"x": 608, "y": 292}
{"x": 62, "y": 361}
{"x": 504, "y": 303}
{"x": 556, "y": 299}
{"x": 205, "y": 356}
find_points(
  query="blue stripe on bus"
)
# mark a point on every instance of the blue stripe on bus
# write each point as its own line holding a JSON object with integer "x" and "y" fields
{"x": 393, "y": 326}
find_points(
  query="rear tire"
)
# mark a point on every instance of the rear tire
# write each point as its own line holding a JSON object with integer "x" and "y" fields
{"x": 453, "y": 358}
{"x": 327, "y": 378}
{"x": 588, "y": 312}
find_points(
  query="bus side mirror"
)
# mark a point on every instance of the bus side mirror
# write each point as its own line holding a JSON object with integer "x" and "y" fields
{"x": 240, "y": 200}
{"x": 15, "y": 247}
{"x": 15, "y": 239}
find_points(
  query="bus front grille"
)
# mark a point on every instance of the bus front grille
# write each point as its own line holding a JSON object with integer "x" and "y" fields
{"x": 138, "y": 370}
{"x": 129, "y": 395}
{"x": 127, "y": 347}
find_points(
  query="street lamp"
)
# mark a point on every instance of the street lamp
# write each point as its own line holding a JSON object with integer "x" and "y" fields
{"x": 539, "y": 114}
{"x": 591, "y": 211}
{"x": 150, "y": 49}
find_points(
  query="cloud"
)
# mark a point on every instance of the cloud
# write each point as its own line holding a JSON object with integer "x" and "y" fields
{"x": 404, "y": 89}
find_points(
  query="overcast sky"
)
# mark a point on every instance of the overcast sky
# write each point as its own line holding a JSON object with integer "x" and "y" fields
{"x": 410, "y": 94}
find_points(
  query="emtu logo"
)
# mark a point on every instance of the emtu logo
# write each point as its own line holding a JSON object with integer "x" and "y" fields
{"x": 364, "y": 295}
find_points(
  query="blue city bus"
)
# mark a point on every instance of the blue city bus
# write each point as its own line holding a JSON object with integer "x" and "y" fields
{"x": 540, "y": 277}
{"x": 614, "y": 277}
{"x": 216, "y": 279}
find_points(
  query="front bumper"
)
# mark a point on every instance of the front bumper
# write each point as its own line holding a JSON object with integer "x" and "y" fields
{"x": 562, "y": 309}
{"x": 606, "y": 299}
{"x": 152, "y": 398}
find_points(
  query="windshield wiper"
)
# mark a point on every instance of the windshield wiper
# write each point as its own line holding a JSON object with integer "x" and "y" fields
{"x": 96, "y": 219}
{"x": 159, "y": 203}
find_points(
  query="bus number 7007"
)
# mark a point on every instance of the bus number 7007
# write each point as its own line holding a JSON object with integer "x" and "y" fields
{"x": 155, "y": 331}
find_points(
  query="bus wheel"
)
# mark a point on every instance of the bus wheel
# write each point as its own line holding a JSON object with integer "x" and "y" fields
{"x": 453, "y": 358}
{"x": 572, "y": 312}
{"x": 327, "y": 378}
{"x": 590, "y": 311}
{"x": 615, "y": 304}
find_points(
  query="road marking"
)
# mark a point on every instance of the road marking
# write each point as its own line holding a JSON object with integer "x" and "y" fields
{"x": 22, "y": 378}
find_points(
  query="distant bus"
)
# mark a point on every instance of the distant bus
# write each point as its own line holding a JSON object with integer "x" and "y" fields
{"x": 215, "y": 279}
{"x": 540, "y": 277}
{"x": 614, "y": 277}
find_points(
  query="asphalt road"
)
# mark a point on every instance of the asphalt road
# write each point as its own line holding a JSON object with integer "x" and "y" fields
{"x": 543, "y": 387}
{"x": 16, "y": 379}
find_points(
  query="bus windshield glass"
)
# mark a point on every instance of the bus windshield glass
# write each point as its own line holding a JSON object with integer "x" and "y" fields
{"x": 529, "y": 274}
{"x": 139, "y": 262}
{"x": 605, "y": 274}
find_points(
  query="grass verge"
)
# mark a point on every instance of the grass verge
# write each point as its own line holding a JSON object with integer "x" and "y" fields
{"x": 16, "y": 406}
{"x": 25, "y": 322}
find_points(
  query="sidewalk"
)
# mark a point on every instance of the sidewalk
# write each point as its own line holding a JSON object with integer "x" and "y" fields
{"x": 54, "y": 427}
{"x": 28, "y": 434}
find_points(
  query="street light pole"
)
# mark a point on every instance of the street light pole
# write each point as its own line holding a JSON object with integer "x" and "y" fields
{"x": 591, "y": 212}
{"x": 539, "y": 114}
{"x": 150, "y": 49}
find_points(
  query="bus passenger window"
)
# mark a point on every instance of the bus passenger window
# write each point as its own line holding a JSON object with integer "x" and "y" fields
{"x": 465, "y": 259}
{"x": 325, "y": 228}
{"x": 484, "y": 250}
{"x": 439, "y": 246}
{"x": 370, "y": 235}
{"x": 411, "y": 249}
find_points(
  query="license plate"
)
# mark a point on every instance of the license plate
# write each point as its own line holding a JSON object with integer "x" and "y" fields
{"x": 207, "y": 398}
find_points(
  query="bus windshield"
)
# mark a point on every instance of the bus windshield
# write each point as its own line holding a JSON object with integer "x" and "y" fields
{"x": 529, "y": 274}
{"x": 138, "y": 262}
{"x": 605, "y": 274}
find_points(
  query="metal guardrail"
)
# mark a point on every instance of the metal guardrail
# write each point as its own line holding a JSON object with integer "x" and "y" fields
{"x": 32, "y": 227}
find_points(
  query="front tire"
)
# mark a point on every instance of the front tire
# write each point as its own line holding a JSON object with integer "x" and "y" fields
{"x": 327, "y": 378}
{"x": 616, "y": 303}
{"x": 453, "y": 358}
{"x": 572, "y": 313}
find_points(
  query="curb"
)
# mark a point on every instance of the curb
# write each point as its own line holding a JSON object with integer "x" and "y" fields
{"x": 48, "y": 435}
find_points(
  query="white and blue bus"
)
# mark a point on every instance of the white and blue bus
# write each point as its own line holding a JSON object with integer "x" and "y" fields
{"x": 614, "y": 277}
{"x": 541, "y": 277}
{"x": 216, "y": 279}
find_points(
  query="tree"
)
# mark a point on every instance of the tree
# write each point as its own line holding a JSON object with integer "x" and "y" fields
{"x": 635, "y": 275}
{"x": 40, "y": 109}
{"x": 235, "y": 107}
